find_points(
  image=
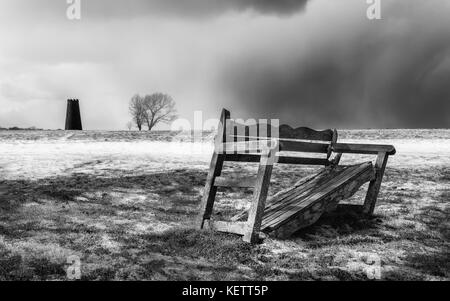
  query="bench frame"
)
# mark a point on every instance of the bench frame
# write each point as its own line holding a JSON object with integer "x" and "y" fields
{"x": 267, "y": 156}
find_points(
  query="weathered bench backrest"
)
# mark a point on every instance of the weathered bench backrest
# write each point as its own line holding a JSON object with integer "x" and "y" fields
{"x": 293, "y": 144}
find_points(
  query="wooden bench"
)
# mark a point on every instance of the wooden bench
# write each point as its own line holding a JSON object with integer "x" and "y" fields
{"x": 298, "y": 206}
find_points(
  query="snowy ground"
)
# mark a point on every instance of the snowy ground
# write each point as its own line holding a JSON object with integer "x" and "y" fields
{"x": 35, "y": 155}
{"x": 125, "y": 203}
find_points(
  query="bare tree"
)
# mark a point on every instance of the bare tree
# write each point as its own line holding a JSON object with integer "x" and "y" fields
{"x": 137, "y": 110}
{"x": 159, "y": 108}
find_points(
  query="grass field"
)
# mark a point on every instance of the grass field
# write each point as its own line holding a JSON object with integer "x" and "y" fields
{"x": 126, "y": 204}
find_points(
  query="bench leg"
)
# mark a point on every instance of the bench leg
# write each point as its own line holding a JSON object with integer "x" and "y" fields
{"x": 374, "y": 186}
{"x": 209, "y": 193}
{"x": 256, "y": 211}
{"x": 215, "y": 169}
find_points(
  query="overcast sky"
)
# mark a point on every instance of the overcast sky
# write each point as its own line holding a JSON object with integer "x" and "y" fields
{"x": 319, "y": 63}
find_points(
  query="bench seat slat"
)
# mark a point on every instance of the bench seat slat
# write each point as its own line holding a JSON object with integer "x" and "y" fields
{"x": 321, "y": 191}
{"x": 304, "y": 187}
{"x": 297, "y": 202}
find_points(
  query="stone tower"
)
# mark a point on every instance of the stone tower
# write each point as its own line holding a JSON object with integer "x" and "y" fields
{"x": 73, "y": 116}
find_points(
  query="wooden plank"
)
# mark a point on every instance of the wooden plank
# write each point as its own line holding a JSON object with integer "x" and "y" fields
{"x": 255, "y": 129}
{"x": 248, "y": 182}
{"x": 241, "y": 147}
{"x": 274, "y": 201}
{"x": 306, "y": 147}
{"x": 301, "y": 161}
{"x": 286, "y": 197}
{"x": 259, "y": 197}
{"x": 291, "y": 145}
{"x": 375, "y": 185}
{"x": 209, "y": 192}
{"x": 228, "y": 227}
{"x": 215, "y": 169}
{"x": 250, "y": 158}
{"x": 263, "y": 130}
{"x": 297, "y": 204}
{"x": 328, "y": 203}
{"x": 304, "y": 187}
{"x": 317, "y": 197}
{"x": 297, "y": 200}
{"x": 253, "y": 158}
{"x": 368, "y": 149}
{"x": 308, "y": 215}
{"x": 287, "y": 131}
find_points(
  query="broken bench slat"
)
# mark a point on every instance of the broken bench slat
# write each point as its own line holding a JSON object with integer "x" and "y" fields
{"x": 293, "y": 197}
{"x": 290, "y": 206}
{"x": 286, "y": 210}
{"x": 273, "y": 202}
{"x": 326, "y": 177}
{"x": 310, "y": 215}
{"x": 302, "y": 201}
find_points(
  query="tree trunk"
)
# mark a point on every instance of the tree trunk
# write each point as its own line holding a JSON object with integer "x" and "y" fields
{"x": 150, "y": 124}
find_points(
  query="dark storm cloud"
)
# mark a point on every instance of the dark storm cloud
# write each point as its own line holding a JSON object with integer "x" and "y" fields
{"x": 324, "y": 66}
{"x": 392, "y": 74}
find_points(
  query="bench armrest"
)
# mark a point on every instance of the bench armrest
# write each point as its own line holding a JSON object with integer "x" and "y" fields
{"x": 365, "y": 149}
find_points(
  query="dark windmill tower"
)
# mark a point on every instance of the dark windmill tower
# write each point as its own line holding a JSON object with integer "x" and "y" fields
{"x": 73, "y": 116}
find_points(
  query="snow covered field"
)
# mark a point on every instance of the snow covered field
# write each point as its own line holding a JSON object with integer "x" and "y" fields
{"x": 126, "y": 202}
{"x": 33, "y": 155}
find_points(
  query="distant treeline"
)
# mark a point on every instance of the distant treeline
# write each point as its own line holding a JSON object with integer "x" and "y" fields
{"x": 15, "y": 128}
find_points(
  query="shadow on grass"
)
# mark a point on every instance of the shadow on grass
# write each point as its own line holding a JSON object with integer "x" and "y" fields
{"x": 425, "y": 241}
{"x": 117, "y": 252}
{"x": 345, "y": 225}
{"x": 436, "y": 261}
{"x": 14, "y": 193}
{"x": 187, "y": 254}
